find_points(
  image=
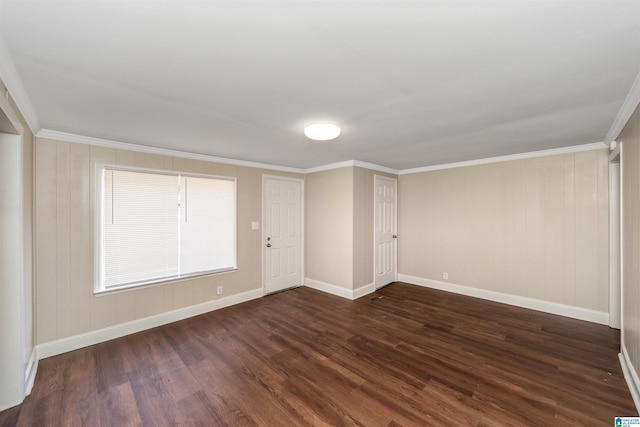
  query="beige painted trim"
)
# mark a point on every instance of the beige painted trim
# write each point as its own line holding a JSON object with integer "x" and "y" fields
{"x": 524, "y": 302}
{"x": 101, "y": 335}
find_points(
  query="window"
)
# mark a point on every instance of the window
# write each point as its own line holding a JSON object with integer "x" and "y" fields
{"x": 157, "y": 226}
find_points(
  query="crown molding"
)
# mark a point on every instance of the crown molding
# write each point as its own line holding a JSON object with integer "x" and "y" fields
{"x": 11, "y": 80}
{"x": 99, "y": 142}
{"x": 542, "y": 153}
{"x": 69, "y": 137}
{"x": 330, "y": 166}
{"x": 626, "y": 110}
{"x": 375, "y": 167}
{"x": 87, "y": 140}
{"x": 352, "y": 163}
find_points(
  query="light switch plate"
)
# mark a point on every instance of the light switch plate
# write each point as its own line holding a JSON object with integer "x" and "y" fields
{"x": 255, "y": 225}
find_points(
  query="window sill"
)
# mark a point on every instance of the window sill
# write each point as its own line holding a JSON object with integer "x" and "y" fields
{"x": 135, "y": 287}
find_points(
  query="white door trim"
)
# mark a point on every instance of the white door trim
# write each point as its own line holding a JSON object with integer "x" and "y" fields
{"x": 16, "y": 366}
{"x": 395, "y": 226}
{"x": 263, "y": 236}
{"x": 614, "y": 245}
{"x": 622, "y": 343}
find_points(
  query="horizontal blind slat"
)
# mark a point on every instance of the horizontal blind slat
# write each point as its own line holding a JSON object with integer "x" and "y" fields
{"x": 141, "y": 240}
{"x": 207, "y": 237}
{"x": 148, "y": 236}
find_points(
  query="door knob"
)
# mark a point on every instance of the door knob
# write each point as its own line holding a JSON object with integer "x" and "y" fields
{"x": 268, "y": 245}
{"x": 395, "y": 236}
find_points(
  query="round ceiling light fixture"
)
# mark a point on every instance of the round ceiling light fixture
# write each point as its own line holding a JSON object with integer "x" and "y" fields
{"x": 323, "y": 131}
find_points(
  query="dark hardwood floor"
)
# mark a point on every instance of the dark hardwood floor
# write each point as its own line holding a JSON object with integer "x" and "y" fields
{"x": 405, "y": 355}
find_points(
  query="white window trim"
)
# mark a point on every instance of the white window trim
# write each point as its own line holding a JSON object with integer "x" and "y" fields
{"x": 98, "y": 289}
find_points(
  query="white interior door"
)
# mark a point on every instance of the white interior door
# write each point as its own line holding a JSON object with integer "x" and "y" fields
{"x": 282, "y": 233}
{"x": 385, "y": 230}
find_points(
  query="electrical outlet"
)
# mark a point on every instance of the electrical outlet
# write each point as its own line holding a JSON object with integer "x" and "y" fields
{"x": 219, "y": 290}
{"x": 445, "y": 276}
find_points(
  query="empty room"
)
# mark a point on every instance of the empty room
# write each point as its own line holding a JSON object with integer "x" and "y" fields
{"x": 320, "y": 213}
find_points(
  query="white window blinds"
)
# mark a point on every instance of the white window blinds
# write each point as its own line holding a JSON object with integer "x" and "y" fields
{"x": 161, "y": 226}
{"x": 207, "y": 231}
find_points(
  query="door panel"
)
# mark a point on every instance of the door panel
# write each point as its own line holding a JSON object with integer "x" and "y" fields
{"x": 283, "y": 234}
{"x": 385, "y": 230}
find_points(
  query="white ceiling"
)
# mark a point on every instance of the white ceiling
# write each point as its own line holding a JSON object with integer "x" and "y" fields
{"x": 413, "y": 83}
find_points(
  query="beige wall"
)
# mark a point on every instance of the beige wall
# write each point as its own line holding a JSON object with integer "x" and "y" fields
{"x": 339, "y": 203}
{"x": 64, "y": 185}
{"x": 329, "y": 227}
{"x": 535, "y": 228}
{"x": 539, "y": 229}
{"x": 630, "y": 182}
{"x": 363, "y": 211}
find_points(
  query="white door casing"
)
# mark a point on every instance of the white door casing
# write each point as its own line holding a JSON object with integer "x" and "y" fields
{"x": 385, "y": 238}
{"x": 17, "y": 368}
{"x": 615, "y": 247}
{"x": 282, "y": 238}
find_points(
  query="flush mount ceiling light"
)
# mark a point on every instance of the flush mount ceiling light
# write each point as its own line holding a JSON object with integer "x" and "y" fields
{"x": 322, "y": 131}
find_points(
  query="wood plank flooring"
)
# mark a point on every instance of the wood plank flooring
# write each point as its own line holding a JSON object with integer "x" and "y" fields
{"x": 405, "y": 355}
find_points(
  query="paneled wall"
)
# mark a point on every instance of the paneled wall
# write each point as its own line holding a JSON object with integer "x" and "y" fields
{"x": 329, "y": 227}
{"x": 535, "y": 228}
{"x": 630, "y": 183}
{"x": 64, "y": 214}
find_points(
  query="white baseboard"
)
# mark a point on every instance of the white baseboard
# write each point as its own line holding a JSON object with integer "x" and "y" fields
{"x": 630, "y": 375}
{"x": 10, "y": 405}
{"x": 94, "y": 337}
{"x": 29, "y": 377}
{"x": 338, "y": 290}
{"x": 30, "y": 373}
{"x": 534, "y": 304}
{"x": 328, "y": 288}
{"x": 364, "y": 290}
